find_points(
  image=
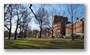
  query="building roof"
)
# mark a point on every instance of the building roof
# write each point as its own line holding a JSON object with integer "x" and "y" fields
{"x": 59, "y": 18}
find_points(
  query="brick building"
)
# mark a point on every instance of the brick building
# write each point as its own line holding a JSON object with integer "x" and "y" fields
{"x": 61, "y": 26}
{"x": 78, "y": 27}
{"x": 59, "y": 23}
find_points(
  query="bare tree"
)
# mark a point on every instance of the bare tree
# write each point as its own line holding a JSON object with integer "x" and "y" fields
{"x": 41, "y": 17}
{"x": 26, "y": 23}
{"x": 21, "y": 14}
{"x": 52, "y": 14}
{"x": 72, "y": 11}
{"x": 47, "y": 24}
{"x": 8, "y": 9}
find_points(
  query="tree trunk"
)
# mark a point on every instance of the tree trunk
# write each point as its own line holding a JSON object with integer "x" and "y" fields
{"x": 10, "y": 23}
{"x": 52, "y": 33}
{"x": 9, "y": 34}
{"x": 29, "y": 33}
{"x": 24, "y": 33}
{"x": 40, "y": 34}
{"x": 10, "y": 30}
{"x": 72, "y": 30}
{"x": 15, "y": 33}
{"x": 45, "y": 33}
{"x": 40, "y": 29}
{"x": 72, "y": 33}
{"x": 20, "y": 32}
{"x": 48, "y": 32}
{"x": 16, "y": 30}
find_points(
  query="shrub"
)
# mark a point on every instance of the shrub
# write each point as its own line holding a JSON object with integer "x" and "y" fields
{"x": 83, "y": 37}
{"x": 61, "y": 36}
{"x": 53, "y": 36}
{"x": 77, "y": 36}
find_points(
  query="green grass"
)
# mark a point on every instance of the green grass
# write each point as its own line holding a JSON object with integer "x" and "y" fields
{"x": 44, "y": 43}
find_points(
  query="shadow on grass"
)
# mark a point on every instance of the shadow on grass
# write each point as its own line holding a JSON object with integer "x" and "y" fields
{"x": 34, "y": 43}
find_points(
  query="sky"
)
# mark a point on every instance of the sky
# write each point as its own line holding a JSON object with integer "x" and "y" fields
{"x": 58, "y": 9}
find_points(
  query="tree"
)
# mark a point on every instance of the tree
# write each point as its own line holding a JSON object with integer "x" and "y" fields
{"x": 72, "y": 11}
{"x": 22, "y": 19}
{"x": 41, "y": 17}
{"x": 47, "y": 24}
{"x": 8, "y": 14}
{"x": 52, "y": 14}
{"x": 24, "y": 23}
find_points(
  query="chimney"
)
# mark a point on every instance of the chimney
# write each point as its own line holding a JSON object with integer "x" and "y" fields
{"x": 77, "y": 19}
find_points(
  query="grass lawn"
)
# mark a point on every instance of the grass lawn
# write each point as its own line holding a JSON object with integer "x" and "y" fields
{"x": 44, "y": 43}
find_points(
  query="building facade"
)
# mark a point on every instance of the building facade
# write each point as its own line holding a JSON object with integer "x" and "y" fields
{"x": 59, "y": 23}
{"x": 78, "y": 27}
{"x": 61, "y": 26}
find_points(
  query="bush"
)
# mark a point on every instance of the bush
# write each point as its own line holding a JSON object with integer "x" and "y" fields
{"x": 83, "y": 37}
{"x": 77, "y": 36}
{"x": 61, "y": 36}
{"x": 53, "y": 36}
